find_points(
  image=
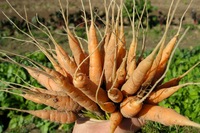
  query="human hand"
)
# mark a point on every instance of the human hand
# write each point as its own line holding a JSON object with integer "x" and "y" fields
{"x": 87, "y": 125}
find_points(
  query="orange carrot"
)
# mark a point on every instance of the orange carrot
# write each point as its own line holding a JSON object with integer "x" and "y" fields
{"x": 131, "y": 59}
{"x": 134, "y": 82}
{"x": 152, "y": 72}
{"x": 109, "y": 59}
{"x": 61, "y": 103}
{"x": 51, "y": 115}
{"x": 43, "y": 78}
{"x": 169, "y": 48}
{"x": 89, "y": 88}
{"x": 165, "y": 57}
{"x": 108, "y": 107}
{"x": 120, "y": 74}
{"x": 74, "y": 44}
{"x": 175, "y": 81}
{"x": 95, "y": 62}
{"x": 121, "y": 42}
{"x": 159, "y": 95}
{"x": 115, "y": 119}
{"x": 164, "y": 116}
{"x": 115, "y": 95}
{"x": 78, "y": 53}
{"x": 65, "y": 61}
{"x": 130, "y": 106}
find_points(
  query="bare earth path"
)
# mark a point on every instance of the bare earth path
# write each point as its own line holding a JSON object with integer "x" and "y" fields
{"x": 46, "y": 7}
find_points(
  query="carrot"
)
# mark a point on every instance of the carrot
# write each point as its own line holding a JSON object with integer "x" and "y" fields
{"x": 108, "y": 107}
{"x": 121, "y": 42}
{"x": 120, "y": 74}
{"x": 134, "y": 82}
{"x": 78, "y": 53}
{"x": 152, "y": 72}
{"x": 74, "y": 44}
{"x": 61, "y": 103}
{"x": 64, "y": 60}
{"x": 51, "y": 115}
{"x": 168, "y": 50}
{"x": 159, "y": 95}
{"x": 131, "y": 59}
{"x": 130, "y": 106}
{"x": 165, "y": 56}
{"x": 95, "y": 61}
{"x": 115, "y": 95}
{"x": 115, "y": 119}
{"x": 109, "y": 60}
{"x": 175, "y": 81}
{"x": 43, "y": 78}
{"x": 164, "y": 116}
{"x": 89, "y": 88}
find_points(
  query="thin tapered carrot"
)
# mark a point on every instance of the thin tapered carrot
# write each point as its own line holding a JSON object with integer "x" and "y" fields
{"x": 165, "y": 56}
{"x": 95, "y": 61}
{"x": 165, "y": 116}
{"x": 43, "y": 78}
{"x": 152, "y": 72}
{"x": 65, "y": 61}
{"x": 74, "y": 44}
{"x": 121, "y": 42}
{"x": 131, "y": 59}
{"x": 61, "y": 103}
{"x": 115, "y": 119}
{"x": 110, "y": 60}
{"x": 89, "y": 88}
{"x": 51, "y": 115}
{"x": 78, "y": 53}
{"x": 175, "y": 81}
{"x": 111, "y": 49}
{"x": 120, "y": 74}
{"x": 134, "y": 82}
{"x": 115, "y": 95}
{"x": 168, "y": 50}
{"x": 58, "y": 82}
{"x": 159, "y": 95}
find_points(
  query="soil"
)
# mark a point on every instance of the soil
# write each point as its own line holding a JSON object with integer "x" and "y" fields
{"x": 45, "y": 7}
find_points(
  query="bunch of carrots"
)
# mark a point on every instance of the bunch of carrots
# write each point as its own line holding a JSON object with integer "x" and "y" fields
{"x": 107, "y": 79}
